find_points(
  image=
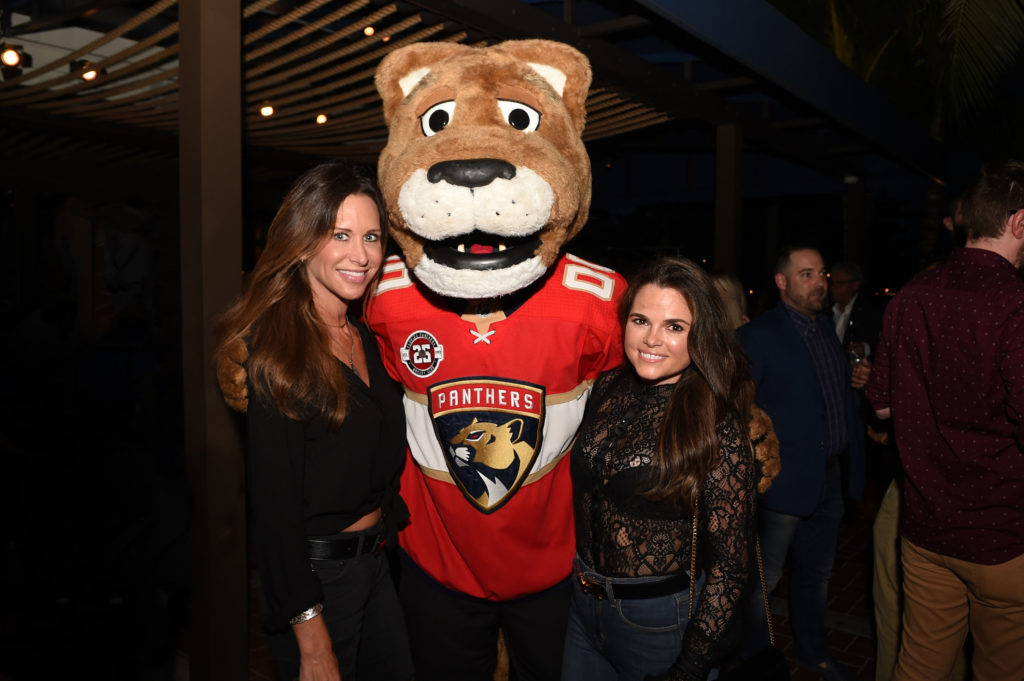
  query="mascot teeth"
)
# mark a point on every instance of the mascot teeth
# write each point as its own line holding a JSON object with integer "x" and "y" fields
{"x": 461, "y": 248}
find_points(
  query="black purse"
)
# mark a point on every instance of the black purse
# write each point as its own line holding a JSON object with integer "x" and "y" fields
{"x": 767, "y": 664}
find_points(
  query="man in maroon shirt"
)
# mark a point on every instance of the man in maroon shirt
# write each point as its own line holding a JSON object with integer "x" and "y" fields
{"x": 950, "y": 372}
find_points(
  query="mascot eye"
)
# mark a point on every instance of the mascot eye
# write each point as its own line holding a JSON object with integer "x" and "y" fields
{"x": 436, "y": 118}
{"x": 519, "y": 116}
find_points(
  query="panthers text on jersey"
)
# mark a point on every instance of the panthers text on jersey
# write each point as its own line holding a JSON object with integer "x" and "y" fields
{"x": 493, "y": 398}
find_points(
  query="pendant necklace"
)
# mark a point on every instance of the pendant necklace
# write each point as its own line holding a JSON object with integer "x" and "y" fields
{"x": 351, "y": 346}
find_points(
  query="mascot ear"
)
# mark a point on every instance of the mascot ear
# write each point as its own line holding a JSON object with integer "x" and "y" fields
{"x": 563, "y": 67}
{"x": 401, "y": 70}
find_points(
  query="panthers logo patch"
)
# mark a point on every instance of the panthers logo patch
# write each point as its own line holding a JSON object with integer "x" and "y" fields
{"x": 422, "y": 354}
{"x": 490, "y": 431}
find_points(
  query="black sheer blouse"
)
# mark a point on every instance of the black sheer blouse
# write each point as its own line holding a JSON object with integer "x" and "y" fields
{"x": 305, "y": 480}
{"x": 620, "y": 534}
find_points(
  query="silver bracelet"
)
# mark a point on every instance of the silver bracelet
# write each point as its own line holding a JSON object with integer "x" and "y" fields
{"x": 307, "y": 615}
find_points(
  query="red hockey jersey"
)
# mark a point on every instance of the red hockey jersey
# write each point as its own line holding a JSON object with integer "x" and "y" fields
{"x": 493, "y": 398}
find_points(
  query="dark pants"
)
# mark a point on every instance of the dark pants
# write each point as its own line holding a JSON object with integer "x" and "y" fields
{"x": 811, "y": 545}
{"x": 363, "y": 618}
{"x": 454, "y": 637}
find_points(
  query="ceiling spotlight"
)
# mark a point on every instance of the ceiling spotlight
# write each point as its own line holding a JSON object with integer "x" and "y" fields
{"x": 368, "y": 31}
{"x": 385, "y": 38}
{"x": 9, "y": 55}
{"x": 321, "y": 119}
{"x": 266, "y": 109}
{"x": 14, "y": 56}
{"x": 85, "y": 69}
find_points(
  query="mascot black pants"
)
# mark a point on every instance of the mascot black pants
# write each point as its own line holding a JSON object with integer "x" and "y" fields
{"x": 454, "y": 636}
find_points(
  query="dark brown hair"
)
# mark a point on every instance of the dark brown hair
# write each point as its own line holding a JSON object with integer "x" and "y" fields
{"x": 715, "y": 386}
{"x": 290, "y": 359}
{"x": 989, "y": 201}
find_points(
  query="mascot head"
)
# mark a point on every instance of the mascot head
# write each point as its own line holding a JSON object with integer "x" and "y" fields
{"x": 484, "y": 174}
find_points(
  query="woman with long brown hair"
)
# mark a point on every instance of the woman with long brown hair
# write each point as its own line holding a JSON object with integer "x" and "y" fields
{"x": 326, "y": 433}
{"x": 665, "y": 439}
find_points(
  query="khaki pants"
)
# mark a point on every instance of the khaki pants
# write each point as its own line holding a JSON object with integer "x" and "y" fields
{"x": 943, "y": 598}
{"x": 887, "y": 590}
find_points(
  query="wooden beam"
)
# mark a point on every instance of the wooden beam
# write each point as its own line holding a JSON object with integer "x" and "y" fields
{"x": 210, "y": 180}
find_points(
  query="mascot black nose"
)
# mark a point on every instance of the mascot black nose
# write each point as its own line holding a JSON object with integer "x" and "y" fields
{"x": 472, "y": 173}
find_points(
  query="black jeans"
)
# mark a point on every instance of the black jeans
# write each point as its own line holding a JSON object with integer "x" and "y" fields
{"x": 454, "y": 636}
{"x": 363, "y": 618}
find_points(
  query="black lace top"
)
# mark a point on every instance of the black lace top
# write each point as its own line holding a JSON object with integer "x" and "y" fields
{"x": 620, "y": 534}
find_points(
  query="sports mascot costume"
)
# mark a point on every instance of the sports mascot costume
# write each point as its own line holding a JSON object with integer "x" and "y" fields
{"x": 496, "y": 335}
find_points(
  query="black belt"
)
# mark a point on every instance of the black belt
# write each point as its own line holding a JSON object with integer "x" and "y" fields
{"x": 340, "y": 548}
{"x": 663, "y": 587}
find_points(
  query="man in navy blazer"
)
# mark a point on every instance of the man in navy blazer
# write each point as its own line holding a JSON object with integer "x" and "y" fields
{"x": 804, "y": 383}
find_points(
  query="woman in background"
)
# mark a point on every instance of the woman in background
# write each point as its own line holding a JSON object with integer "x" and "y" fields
{"x": 734, "y": 298}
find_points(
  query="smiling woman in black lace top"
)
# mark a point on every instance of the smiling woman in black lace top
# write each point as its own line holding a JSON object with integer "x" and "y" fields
{"x": 665, "y": 433}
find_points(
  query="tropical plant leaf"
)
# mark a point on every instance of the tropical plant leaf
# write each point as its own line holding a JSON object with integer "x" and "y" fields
{"x": 983, "y": 39}
{"x": 842, "y": 46}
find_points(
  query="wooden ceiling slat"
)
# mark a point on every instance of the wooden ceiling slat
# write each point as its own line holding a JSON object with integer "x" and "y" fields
{"x": 304, "y": 116}
{"x": 314, "y": 65}
{"x": 296, "y": 60}
{"x": 37, "y": 92}
{"x": 257, "y": 52}
{"x": 305, "y": 91}
{"x": 105, "y": 98}
{"x": 289, "y": 17}
{"x": 138, "y": 20}
{"x": 154, "y": 99}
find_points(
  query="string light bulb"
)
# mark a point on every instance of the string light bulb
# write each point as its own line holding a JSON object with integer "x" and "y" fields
{"x": 321, "y": 119}
{"x": 368, "y": 31}
{"x": 266, "y": 109}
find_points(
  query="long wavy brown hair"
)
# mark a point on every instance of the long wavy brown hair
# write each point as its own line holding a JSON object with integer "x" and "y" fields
{"x": 715, "y": 386}
{"x": 290, "y": 360}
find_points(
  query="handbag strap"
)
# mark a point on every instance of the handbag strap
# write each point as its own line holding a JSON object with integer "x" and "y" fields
{"x": 760, "y": 571}
{"x": 693, "y": 563}
{"x": 764, "y": 588}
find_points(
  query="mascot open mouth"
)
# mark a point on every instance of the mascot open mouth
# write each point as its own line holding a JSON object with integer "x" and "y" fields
{"x": 481, "y": 251}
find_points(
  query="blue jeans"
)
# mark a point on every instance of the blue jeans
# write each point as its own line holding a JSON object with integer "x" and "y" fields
{"x": 811, "y": 544}
{"x": 623, "y": 639}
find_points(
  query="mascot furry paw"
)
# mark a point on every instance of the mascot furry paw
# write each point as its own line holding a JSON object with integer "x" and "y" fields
{"x": 766, "y": 448}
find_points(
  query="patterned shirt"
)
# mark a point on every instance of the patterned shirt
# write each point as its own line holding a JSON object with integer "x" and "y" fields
{"x": 951, "y": 368}
{"x": 832, "y": 369}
